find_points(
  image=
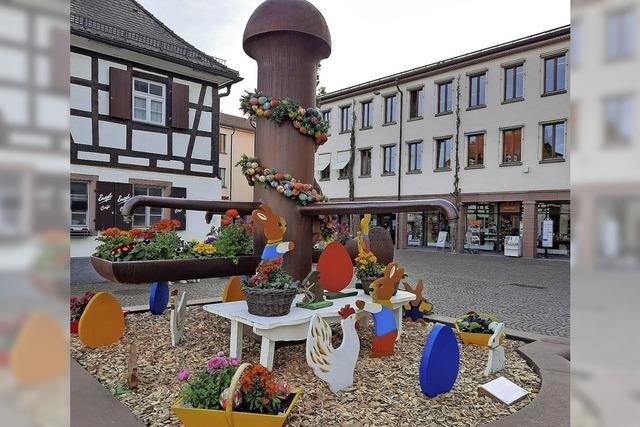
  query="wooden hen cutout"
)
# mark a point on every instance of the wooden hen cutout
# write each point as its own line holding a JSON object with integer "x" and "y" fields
{"x": 334, "y": 365}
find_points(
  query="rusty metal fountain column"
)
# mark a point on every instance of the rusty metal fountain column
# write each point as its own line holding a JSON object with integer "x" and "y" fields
{"x": 287, "y": 38}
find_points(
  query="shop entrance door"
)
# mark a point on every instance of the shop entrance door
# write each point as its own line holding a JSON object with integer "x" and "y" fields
{"x": 509, "y": 222}
{"x": 389, "y": 223}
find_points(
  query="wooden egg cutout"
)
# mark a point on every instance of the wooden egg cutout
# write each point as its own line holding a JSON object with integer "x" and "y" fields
{"x": 381, "y": 244}
{"x": 335, "y": 267}
{"x": 158, "y": 297}
{"x": 40, "y": 353}
{"x": 440, "y": 361}
{"x": 102, "y": 322}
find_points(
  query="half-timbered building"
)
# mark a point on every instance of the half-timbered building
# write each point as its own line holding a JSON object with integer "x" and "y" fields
{"x": 144, "y": 119}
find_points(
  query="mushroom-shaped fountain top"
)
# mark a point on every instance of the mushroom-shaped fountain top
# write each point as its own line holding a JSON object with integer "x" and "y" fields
{"x": 289, "y": 16}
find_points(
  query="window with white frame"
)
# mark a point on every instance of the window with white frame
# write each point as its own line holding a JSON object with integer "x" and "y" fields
{"x": 388, "y": 159}
{"x": 323, "y": 165}
{"x": 415, "y": 156}
{"x": 148, "y": 101}
{"x": 79, "y": 204}
{"x": 346, "y": 119}
{"x": 620, "y": 34}
{"x": 342, "y": 163}
{"x": 148, "y": 215}
{"x": 619, "y": 113}
{"x": 390, "y": 109}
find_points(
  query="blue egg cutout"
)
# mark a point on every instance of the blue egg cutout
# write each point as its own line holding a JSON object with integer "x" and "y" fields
{"x": 440, "y": 361}
{"x": 158, "y": 297}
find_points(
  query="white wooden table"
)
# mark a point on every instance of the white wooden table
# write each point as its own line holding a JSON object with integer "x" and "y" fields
{"x": 293, "y": 326}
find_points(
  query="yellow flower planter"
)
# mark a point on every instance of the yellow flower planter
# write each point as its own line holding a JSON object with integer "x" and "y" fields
{"x": 475, "y": 337}
{"x": 191, "y": 417}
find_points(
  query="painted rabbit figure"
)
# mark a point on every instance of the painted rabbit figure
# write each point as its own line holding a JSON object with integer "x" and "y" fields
{"x": 385, "y": 327}
{"x": 420, "y": 307}
{"x": 274, "y": 227}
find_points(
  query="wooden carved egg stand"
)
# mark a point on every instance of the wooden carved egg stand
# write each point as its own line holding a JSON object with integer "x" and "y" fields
{"x": 287, "y": 38}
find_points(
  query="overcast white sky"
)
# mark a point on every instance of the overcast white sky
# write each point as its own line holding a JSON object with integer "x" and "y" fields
{"x": 371, "y": 39}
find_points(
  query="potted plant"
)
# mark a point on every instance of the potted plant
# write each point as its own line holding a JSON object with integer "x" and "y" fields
{"x": 368, "y": 269}
{"x": 271, "y": 290}
{"x": 76, "y": 308}
{"x": 473, "y": 328}
{"x": 158, "y": 253}
{"x": 227, "y": 394}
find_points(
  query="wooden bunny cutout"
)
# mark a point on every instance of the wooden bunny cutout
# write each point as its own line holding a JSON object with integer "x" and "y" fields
{"x": 497, "y": 358}
{"x": 274, "y": 228}
{"x": 420, "y": 307}
{"x": 385, "y": 327}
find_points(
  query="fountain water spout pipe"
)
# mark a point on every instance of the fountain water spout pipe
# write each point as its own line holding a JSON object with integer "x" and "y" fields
{"x": 212, "y": 206}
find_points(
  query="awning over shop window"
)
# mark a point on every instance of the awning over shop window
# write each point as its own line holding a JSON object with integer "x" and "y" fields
{"x": 343, "y": 159}
{"x": 323, "y": 161}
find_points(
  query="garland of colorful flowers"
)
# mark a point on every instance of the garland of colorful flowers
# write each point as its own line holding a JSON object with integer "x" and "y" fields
{"x": 308, "y": 121}
{"x": 284, "y": 183}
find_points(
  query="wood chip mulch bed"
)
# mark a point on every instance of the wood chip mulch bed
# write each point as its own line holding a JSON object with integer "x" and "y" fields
{"x": 386, "y": 391}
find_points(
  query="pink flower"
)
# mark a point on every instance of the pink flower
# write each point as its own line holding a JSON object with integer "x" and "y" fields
{"x": 234, "y": 361}
{"x": 184, "y": 374}
{"x": 220, "y": 354}
{"x": 283, "y": 389}
{"x": 216, "y": 363}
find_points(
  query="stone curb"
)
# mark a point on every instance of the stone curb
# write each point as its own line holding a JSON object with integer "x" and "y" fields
{"x": 93, "y": 405}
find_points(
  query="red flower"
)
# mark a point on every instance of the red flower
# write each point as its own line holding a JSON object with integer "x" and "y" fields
{"x": 226, "y": 221}
{"x": 112, "y": 232}
{"x": 232, "y": 213}
{"x": 136, "y": 232}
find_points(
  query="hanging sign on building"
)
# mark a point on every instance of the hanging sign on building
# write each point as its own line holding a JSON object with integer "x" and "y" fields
{"x": 547, "y": 233}
{"x": 510, "y": 207}
{"x": 442, "y": 239}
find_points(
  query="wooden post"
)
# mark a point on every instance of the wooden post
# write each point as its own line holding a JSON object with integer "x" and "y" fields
{"x": 287, "y": 38}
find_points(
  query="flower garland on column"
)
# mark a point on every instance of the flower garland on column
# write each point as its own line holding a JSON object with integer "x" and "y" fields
{"x": 308, "y": 121}
{"x": 283, "y": 183}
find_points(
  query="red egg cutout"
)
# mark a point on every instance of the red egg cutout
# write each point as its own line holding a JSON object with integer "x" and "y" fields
{"x": 335, "y": 267}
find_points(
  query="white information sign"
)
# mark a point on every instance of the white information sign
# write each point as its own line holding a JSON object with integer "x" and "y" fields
{"x": 547, "y": 233}
{"x": 442, "y": 239}
{"x": 503, "y": 390}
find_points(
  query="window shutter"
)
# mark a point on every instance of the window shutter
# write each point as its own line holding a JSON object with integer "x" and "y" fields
{"x": 179, "y": 106}
{"x": 105, "y": 205}
{"x": 179, "y": 214}
{"x": 120, "y": 93}
{"x": 122, "y": 193}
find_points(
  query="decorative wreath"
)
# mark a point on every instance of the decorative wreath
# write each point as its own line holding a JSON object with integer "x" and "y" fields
{"x": 284, "y": 183}
{"x": 307, "y": 120}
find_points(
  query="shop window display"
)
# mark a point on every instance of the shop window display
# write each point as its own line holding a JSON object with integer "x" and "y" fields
{"x": 560, "y": 214}
{"x": 482, "y": 222}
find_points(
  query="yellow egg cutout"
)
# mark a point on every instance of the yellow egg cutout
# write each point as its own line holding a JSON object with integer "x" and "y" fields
{"x": 40, "y": 353}
{"x": 102, "y": 322}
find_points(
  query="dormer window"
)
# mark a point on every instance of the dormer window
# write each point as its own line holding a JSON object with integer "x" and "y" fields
{"x": 149, "y": 101}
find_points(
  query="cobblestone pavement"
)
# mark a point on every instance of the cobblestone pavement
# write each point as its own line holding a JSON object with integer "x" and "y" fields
{"x": 528, "y": 295}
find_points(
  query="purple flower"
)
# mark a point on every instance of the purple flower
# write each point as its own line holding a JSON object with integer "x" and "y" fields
{"x": 210, "y": 239}
{"x": 234, "y": 361}
{"x": 220, "y": 354}
{"x": 216, "y": 363}
{"x": 184, "y": 374}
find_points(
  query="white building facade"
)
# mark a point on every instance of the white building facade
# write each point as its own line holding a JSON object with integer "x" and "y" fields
{"x": 144, "y": 121}
{"x": 513, "y": 144}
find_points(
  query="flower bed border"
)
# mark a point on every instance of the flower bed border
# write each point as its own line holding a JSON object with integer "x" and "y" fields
{"x": 172, "y": 269}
